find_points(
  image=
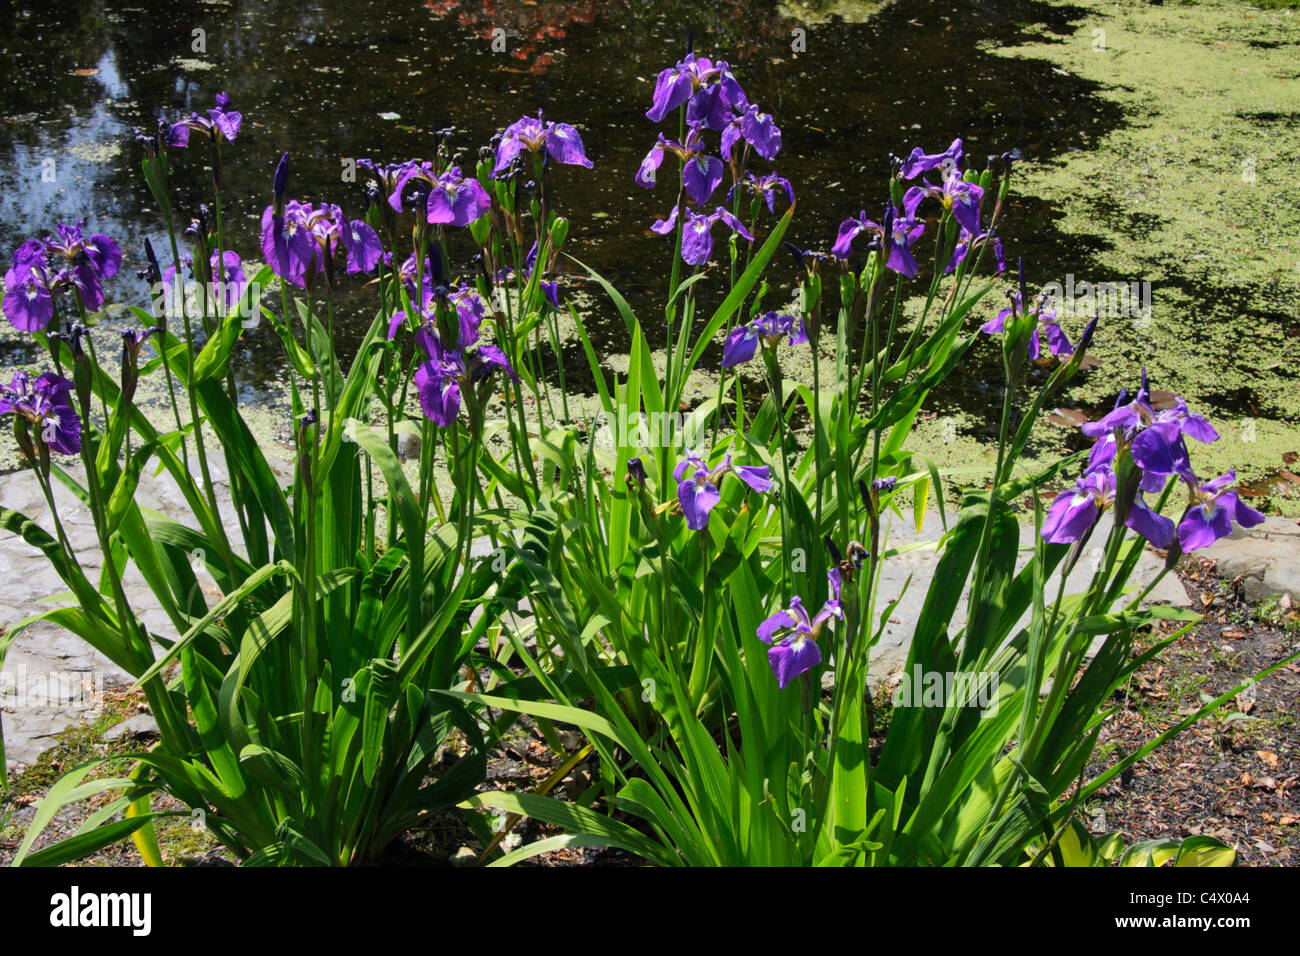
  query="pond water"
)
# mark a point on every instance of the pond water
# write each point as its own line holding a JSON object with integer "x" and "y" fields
{"x": 335, "y": 79}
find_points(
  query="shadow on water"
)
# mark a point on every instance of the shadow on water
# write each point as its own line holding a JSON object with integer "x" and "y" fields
{"x": 336, "y": 79}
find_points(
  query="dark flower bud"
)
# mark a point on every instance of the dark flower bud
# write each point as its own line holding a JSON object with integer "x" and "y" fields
{"x": 832, "y": 550}
{"x": 636, "y": 471}
{"x": 865, "y": 491}
{"x": 1085, "y": 340}
{"x": 133, "y": 339}
{"x": 280, "y": 182}
{"x": 152, "y": 272}
{"x": 75, "y": 335}
{"x": 437, "y": 271}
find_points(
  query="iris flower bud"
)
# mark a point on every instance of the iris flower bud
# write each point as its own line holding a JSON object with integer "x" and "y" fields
{"x": 280, "y": 184}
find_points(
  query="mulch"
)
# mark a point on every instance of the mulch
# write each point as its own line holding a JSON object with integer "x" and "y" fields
{"x": 1235, "y": 775}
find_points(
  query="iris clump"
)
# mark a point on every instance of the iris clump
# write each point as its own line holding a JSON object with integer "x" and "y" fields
{"x": 382, "y": 615}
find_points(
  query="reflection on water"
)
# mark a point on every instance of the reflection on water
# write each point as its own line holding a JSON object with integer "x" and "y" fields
{"x": 334, "y": 79}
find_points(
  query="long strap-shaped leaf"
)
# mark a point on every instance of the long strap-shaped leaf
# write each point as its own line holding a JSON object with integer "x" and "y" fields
{"x": 232, "y": 600}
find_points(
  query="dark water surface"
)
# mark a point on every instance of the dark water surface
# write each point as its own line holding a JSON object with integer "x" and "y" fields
{"x": 336, "y": 79}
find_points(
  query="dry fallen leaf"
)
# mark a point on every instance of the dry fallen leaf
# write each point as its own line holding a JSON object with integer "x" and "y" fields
{"x": 1267, "y": 756}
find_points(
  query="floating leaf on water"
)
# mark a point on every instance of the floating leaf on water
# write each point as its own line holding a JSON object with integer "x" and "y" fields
{"x": 1069, "y": 417}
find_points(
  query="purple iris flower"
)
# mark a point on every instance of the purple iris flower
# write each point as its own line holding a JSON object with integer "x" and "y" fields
{"x": 1215, "y": 506}
{"x": 761, "y": 132}
{"x": 919, "y": 162}
{"x": 697, "y": 234}
{"x": 360, "y": 242}
{"x": 100, "y": 252}
{"x": 34, "y": 283}
{"x": 230, "y": 281}
{"x": 957, "y": 195}
{"x": 438, "y": 381}
{"x": 966, "y": 244}
{"x": 469, "y": 313}
{"x": 560, "y": 140}
{"x": 384, "y": 175}
{"x": 221, "y": 123}
{"x": 754, "y": 127}
{"x": 441, "y": 380}
{"x": 701, "y": 174}
{"x": 303, "y": 240}
{"x": 552, "y": 291}
{"x": 448, "y": 199}
{"x": 1074, "y": 512}
{"x": 1159, "y": 450}
{"x": 47, "y": 404}
{"x": 1155, "y": 438}
{"x": 457, "y": 200}
{"x": 898, "y": 234}
{"x": 793, "y": 635}
{"x": 765, "y": 187}
{"x": 1189, "y": 423}
{"x": 769, "y": 329}
{"x": 286, "y": 241}
{"x": 29, "y": 288}
{"x": 415, "y": 173}
{"x": 677, "y": 84}
{"x": 710, "y": 108}
{"x": 1045, "y": 327}
{"x": 698, "y": 492}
